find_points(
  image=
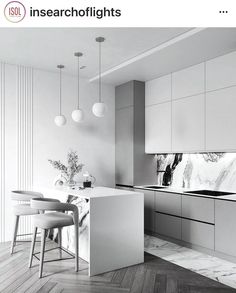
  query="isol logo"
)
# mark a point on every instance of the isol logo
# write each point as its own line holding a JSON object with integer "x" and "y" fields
{"x": 14, "y": 11}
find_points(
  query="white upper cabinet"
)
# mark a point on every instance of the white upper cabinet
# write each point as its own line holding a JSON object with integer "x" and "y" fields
{"x": 188, "y": 82}
{"x": 158, "y": 90}
{"x": 158, "y": 128}
{"x": 194, "y": 110}
{"x": 188, "y": 124}
{"x": 221, "y": 120}
{"x": 221, "y": 72}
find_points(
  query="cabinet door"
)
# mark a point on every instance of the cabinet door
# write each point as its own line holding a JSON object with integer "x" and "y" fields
{"x": 225, "y": 231}
{"x": 221, "y": 120}
{"x": 169, "y": 203}
{"x": 124, "y": 146}
{"x": 158, "y": 128}
{"x": 188, "y": 82}
{"x": 221, "y": 72}
{"x": 197, "y": 208}
{"x": 158, "y": 90}
{"x": 148, "y": 209}
{"x": 169, "y": 226}
{"x": 188, "y": 124}
{"x": 198, "y": 233}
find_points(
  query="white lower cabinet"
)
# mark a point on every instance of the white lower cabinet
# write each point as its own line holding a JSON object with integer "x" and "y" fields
{"x": 205, "y": 222}
{"x": 225, "y": 227}
{"x": 169, "y": 203}
{"x": 198, "y": 208}
{"x": 149, "y": 204}
{"x": 167, "y": 225}
{"x": 198, "y": 233}
{"x": 185, "y": 217}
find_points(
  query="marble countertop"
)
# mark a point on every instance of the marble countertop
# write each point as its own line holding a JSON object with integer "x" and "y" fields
{"x": 230, "y": 197}
{"x": 88, "y": 193}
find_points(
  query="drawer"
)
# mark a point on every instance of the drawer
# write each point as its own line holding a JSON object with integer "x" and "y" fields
{"x": 169, "y": 203}
{"x": 168, "y": 225}
{"x": 198, "y": 233}
{"x": 198, "y": 208}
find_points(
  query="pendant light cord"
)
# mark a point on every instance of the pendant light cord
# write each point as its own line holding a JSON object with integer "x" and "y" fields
{"x": 100, "y": 78}
{"x": 60, "y": 95}
{"x": 78, "y": 85}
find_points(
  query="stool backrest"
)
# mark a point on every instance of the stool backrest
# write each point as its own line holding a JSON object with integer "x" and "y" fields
{"x": 51, "y": 204}
{"x": 25, "y": 195}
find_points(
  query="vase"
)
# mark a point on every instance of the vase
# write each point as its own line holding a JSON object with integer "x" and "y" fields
{"x": 70, "y": 182}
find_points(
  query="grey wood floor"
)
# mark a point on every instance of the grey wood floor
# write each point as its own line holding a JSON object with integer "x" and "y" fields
{"x": 155, "y": 275}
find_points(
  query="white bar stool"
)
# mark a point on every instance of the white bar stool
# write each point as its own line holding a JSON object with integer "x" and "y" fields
{"x": 22, "y": 209}
{"x": 57, "y": 219}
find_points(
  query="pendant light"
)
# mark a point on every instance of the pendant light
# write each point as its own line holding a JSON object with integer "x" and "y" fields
{"x": 78, "y": 114}
{"x": 100, "y": 108}
{"x": 60, "y": 119}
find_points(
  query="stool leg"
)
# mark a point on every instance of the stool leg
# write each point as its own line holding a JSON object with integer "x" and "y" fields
{"x": 15, "y": 233}
{"x": 76, "y": 248}
{"x": 32, "y": 246}
{"x": 59, "y": 242}
{"x": 43, "y": 238}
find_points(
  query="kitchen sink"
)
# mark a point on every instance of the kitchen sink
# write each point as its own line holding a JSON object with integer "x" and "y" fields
{"x": 154, "y": 187}
{"x": 209, "y": 192}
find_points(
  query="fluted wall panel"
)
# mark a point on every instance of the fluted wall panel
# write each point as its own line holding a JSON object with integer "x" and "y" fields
{"x": 2, "y": 151}
{"x": 24, "y": 136}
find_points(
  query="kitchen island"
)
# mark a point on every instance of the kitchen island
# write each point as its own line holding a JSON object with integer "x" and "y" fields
{"x": 111, "y": 226}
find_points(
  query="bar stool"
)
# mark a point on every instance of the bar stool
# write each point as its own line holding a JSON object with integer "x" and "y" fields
{"x": 22, "y": 209}
{"x": 56, "y": 219}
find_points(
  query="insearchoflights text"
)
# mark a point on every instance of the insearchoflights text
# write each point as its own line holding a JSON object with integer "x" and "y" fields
{"x": 93, "y": 12}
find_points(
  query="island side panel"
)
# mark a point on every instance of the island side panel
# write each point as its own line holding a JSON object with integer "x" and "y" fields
{"x": 116, "y": 232}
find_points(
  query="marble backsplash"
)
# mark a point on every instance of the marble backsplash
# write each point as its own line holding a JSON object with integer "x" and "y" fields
{"x": 197, "y": 171}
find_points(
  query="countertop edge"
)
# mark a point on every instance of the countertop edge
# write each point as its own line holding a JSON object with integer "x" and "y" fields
{"x": 165, "y": 189}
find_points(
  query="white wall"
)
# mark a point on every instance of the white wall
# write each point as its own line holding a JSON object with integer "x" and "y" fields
{"x": 29, "y": 128}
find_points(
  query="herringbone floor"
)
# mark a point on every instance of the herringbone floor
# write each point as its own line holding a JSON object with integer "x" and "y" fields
{"x": 155, "y": 275}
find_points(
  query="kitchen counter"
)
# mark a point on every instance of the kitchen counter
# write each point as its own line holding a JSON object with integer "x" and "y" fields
{"x": 110, "y": 226}
{"x": 88, "y": 193}
{"x": 230, "y": 197}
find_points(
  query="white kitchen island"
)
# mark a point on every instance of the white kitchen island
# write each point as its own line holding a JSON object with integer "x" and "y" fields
{"x": 111, "y": 226}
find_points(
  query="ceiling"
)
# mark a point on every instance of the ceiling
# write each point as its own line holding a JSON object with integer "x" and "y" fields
{"x": 46, "y": 47}
{"x": 128, "y": 53}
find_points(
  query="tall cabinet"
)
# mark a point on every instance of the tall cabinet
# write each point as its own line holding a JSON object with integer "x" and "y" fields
{"x": 133, "y": 166}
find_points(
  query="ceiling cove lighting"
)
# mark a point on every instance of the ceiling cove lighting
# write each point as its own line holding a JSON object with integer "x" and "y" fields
{"x": 60, "y": 119}
{"x": 78, "y": 114}
{"x": 99, "y": 109}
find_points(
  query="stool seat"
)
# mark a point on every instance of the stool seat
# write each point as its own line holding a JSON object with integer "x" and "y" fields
{"x": 52, "y": 220}
{"x": 24, "y": 210}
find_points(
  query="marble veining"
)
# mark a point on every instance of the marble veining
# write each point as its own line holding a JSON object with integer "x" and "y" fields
{"x": 209, "y": 266}
{"x": 68, "y": 232}
{"x": 215, "y": 171}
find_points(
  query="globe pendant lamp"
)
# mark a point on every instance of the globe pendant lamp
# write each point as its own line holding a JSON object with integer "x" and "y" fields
{"x": 78, "y": 114}
{"x": 60, "y": 119}
{"x": 100, "y": 108}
